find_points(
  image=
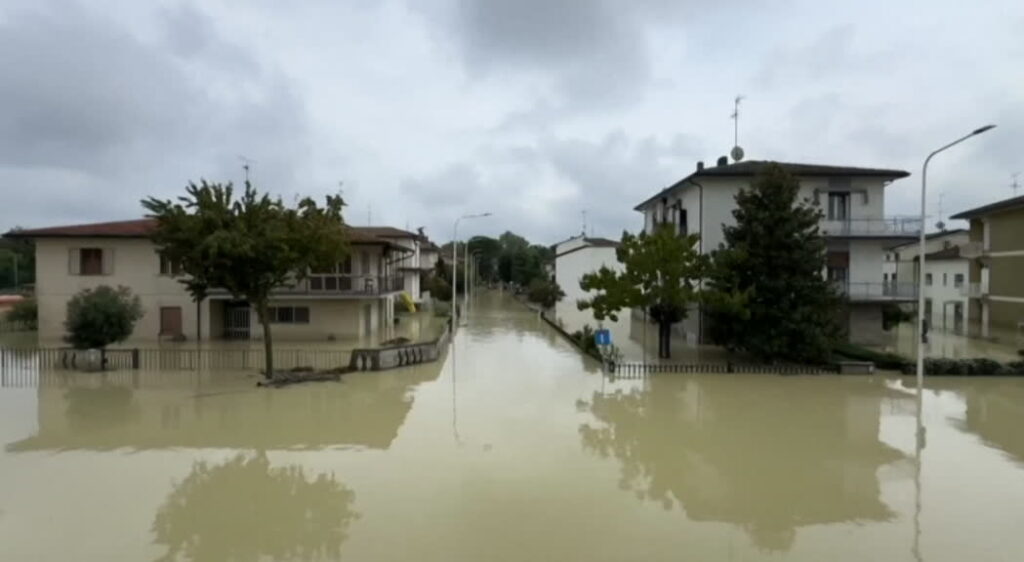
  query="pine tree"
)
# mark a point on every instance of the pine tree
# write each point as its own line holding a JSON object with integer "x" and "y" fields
{"x": 773, "y": 259}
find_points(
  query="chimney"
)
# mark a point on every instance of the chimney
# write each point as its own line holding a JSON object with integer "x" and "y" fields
{"x": 700, "y": 165}
{"x": 723, "y": 160}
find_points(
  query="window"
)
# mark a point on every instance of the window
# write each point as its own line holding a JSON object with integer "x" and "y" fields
{"x": 945, "y": 279}
{"x": 170, "y": 320}
{"x": 897, "y": 258}
{"x": 346, "y": 266}
{"x": 885, "y": 278}
{"x": 288, "y": 314}
{"x": 169, "y": 266}
{"x": 927, "y": 308}
{"x": 682, "y": 222}
{"x": 958, "y": 280}
{"x": 364, "y": 263}
{"x": 838, "y": 206}
{"x": 928, "y": 279}
{"x": 837, "y": 274}
{"x": 90, "y": 261}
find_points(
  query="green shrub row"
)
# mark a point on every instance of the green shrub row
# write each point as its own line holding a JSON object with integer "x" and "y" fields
{"x": 882, "y": 360}
{"x": 980, "y": 366}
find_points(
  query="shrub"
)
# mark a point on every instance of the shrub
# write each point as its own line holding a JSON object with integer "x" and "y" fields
{"x": 881, "y": 360}
{"x": 101, "y": 316}
{"x": 585, "y": 339}
{"x": 980, "y": 366}
{"x": 25, "y": 312}
{"x": 544, "y": 292}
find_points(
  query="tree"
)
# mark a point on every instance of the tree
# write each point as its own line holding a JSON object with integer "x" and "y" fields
{"x": 661, "y": 274}
{"x": 488, "y": 251}
{"x": 25, "y": 312}
{"x": 17, "y": 261}
{"x": 772, "y": 259}
{"x": 248, "y": 246}
{"x": 101, "y": 316}
{"x": 544, "y": 292}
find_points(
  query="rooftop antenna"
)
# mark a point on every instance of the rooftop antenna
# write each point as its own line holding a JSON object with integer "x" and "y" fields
{"x": 940, "y": 225}
{"x": 1015, "y": 185}
{"x": 737, "y": 152}
{"x": 584, "y": 214}
{"x": 245, "y": 165}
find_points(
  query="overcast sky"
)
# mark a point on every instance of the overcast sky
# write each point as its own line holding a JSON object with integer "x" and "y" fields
{"x": 534, "y": 110}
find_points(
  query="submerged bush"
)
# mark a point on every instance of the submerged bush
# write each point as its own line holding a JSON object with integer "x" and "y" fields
{"x": 101, "y": 316}
{"x": 979, "y": 366}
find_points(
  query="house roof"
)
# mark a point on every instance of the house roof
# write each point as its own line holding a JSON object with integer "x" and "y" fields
{"x": 144, "y": 228}
{"x": 388, "y": 232}
{"x": 588, "y": 242}
{"x": 930, "y": 236}
{"x": 951, "y": 253}
{"x": 753, "y": 167}
{"x": 997, "y": 207}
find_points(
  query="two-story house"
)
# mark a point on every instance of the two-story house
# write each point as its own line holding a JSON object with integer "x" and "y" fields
{"x": 352, "y": 300}
{"x": 996, "y": 282}
{"x": 945, "y": 279}
{"x": 854, "y": 223}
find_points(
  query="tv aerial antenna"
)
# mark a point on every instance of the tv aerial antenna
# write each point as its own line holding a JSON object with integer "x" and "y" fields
{"x": 246, "y": 164}
{"x": 737, "y": 151}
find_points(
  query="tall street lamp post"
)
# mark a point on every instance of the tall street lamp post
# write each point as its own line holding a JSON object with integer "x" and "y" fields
{"x": 455, "y": 264}
{"x": 920, "y": 273}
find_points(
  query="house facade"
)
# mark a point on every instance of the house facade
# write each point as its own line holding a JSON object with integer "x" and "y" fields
{"x": 578, "y": 256}
{"x": 946, "y": 304}
{"x": 996, "y": 273}
{"x": 854, "y": 223}
{"x": 353, "y": 300}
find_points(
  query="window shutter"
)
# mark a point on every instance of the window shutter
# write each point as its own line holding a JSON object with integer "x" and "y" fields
{"x": 108, "y": 261}
{"x": 74, "y": 261}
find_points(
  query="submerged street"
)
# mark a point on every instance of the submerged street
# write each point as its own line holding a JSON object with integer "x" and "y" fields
{"x": 514, "y": 447}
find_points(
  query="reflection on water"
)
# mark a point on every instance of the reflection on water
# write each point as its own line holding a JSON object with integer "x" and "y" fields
{"x": 246, "y": 510}
{"x": 768, "y": 454}
{"x": 995, "y": 412}
{"x": 146, "y": 412}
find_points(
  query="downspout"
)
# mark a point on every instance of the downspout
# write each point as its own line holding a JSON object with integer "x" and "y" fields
{"x": 700, "y": 249}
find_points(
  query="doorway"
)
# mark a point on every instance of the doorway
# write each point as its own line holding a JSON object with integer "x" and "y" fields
{"x": 367, "y": 319}
{"x": 170, "y": 321}
{"x": 237, "y": 319}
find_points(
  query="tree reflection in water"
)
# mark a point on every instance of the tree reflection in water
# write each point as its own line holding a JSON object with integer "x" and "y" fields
{"x": 246, "y": 510}
{"x": 767, "y": 454}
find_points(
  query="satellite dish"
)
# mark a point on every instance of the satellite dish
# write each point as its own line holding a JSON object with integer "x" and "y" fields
{"x": 737, "y": 154}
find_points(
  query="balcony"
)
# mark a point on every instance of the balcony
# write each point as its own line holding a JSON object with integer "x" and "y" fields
{"x": 972, "y": 250}
{"x": 974, "y": 290}
{"x": 893, "y": 227}
{"x": 877, "y": 291}
{"x": 337, "y": 285}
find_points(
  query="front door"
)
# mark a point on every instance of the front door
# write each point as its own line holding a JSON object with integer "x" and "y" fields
{"x": 367, "y": 319}
{"x": 958, "y": 317}
{"x": 236, "y": 321}
{"x": 170, "y": 321}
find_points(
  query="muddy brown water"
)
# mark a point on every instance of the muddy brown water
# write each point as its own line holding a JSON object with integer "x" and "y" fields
{"x": 513, "y": 448}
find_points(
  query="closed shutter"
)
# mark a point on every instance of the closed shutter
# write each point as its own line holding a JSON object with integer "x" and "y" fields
{"x": 108, "y": 261}
{"x": 74, "y": 261}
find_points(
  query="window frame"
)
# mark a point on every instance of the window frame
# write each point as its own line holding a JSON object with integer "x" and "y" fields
{"x": 82, "y": 261}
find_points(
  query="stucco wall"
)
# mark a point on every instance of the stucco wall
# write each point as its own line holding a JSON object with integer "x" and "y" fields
{"x": 944, "y": 294}
{"x": 570, "y": 268}
{"x": 1006, "y": 231}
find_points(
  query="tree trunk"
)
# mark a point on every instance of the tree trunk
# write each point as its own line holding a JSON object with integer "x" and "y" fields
{"x": 664, "y": 340}
{"x": 199, "y": 320}
{"x": 268, "y": 342}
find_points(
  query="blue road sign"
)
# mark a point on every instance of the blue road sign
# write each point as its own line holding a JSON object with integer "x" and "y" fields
{"x": 603, "y": 337}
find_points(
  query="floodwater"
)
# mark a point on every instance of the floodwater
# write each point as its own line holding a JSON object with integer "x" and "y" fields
{"x": 513, "y": 448}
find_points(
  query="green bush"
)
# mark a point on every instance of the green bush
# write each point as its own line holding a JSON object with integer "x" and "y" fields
{"x": 881, "y": 359}
{"x": 544, "y": 292}
{"x": 585, "y": 339}
{"x": 101, "y": 316}
{"x": 980, "y": 367}
{"x": 24, "y": 312}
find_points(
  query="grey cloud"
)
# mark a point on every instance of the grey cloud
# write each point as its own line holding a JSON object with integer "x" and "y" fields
{"x": 101, "y": 118}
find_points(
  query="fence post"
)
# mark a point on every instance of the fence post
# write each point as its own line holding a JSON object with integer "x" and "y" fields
{"x": 135, "y": 358}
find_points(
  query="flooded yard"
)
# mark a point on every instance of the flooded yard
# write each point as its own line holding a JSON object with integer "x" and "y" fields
{"x": 512, "y": 448}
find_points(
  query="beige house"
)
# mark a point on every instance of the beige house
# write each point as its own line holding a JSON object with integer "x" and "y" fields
{"x": 996, "y": 282}
{"x": 420, "y": 256}
{"x": 352, "y": 301}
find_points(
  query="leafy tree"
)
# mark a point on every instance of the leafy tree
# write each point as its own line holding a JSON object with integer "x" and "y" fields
{"x": 772, "y": 261}
{"x": 488, "y": 251}
{"x": 250, "y": 245}
{"x": 101, "y": 316}
{"x": 544, "y": 292}
{"x": 17, "y": 261}
{"x": 248, "y": 510}
{"x": 25, "y": 312}
{"x": 661, "y": 275}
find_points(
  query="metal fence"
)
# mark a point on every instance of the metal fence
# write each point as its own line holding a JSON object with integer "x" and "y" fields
{"x": 173, "y": 359}
{"x": 628, "y": 370}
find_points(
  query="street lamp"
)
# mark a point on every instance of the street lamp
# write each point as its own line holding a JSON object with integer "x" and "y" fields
{"x": 455, "y": 264}
{"x": 920, "y": 273}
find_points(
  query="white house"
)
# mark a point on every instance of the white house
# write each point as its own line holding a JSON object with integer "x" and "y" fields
{"x": 855, "y": 225}
{"x": 946, "y": 294}
{"x": 352, "y": 300}
{"x": 580, "y": 255}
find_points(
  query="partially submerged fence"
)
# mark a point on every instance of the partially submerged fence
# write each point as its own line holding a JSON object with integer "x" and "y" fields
{"x": 380, "y": 358}
{"x": 628, "y": 370}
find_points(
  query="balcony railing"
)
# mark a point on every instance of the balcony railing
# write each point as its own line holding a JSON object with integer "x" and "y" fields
{"x": 335, "y": 284}
{"x": 868, "y": 291}
{"x": 893, "y": 226}
{"x": 974, "y": 290}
